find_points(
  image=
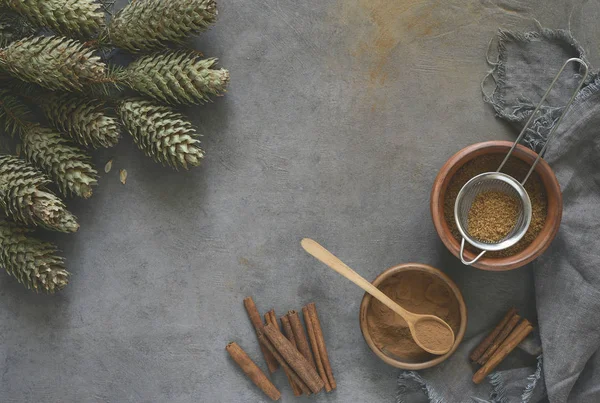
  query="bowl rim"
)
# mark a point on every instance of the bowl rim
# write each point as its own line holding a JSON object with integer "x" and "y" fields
{"x": 420, "y": 267}
{"x": 537, "y": 247}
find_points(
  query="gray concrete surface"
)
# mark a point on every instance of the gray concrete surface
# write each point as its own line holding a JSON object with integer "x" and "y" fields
{"x": 339, "y": 115}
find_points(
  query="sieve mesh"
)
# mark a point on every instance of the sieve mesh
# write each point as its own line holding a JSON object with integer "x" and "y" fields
{"x": 497, "y": 182}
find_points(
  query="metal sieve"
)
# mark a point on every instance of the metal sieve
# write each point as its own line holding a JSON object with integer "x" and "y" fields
{"x": 501, "y": 182}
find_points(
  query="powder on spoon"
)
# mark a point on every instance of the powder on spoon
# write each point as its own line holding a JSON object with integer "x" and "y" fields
{"x": 433, "y": 335}
{"x": 417, "y": 292}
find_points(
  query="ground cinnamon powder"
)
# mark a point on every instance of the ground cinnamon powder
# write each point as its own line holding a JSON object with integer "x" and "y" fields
{"x": 417, "y": 292}
{"x": 433, "y": 335}
{"x": 515, "y": 168}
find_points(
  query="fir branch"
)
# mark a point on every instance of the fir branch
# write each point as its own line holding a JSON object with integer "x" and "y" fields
{"x": 32, "y": 262}
{"x": 110, "y": 86}
{"x": 153, "y": 24}
{"x": 14, "y": 113}
{"x": 77, "y": 18}
{"x": 108, "y": 6}
{"x": 176, "y": 77}
{"x": 161, "y": 133}
{"x": 55, "y": 63}
{"x": 13, "y": 27}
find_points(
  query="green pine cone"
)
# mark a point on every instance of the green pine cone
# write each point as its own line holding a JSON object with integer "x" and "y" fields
{"x": 179, "y": 77}
{"x": 84, "y": 119}
{"x": 32, "y": 262}
{"x": 24, "y": 196}
{"x": 161, "y": 133}
{"x": 153, "y": 24}
{"x": 53, "y": 62}
{"x": 68, "y": 166}
{"x": 79, "y": 18}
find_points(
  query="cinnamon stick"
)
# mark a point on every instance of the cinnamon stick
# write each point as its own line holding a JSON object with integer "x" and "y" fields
{"x": 287, "y": 332}
{"x": 258, "y": 326}
{"x": 274, "y": 318}
{"x": 252, "y": 371}
{"x": 312, "y": 311}
{"x": 510, "y": 326}
{"x": 270, "y": 317}
{"x": 300, "y": 336}
{"x": 294, "y": 359}
{"x": 485, "y": 344}
{"x": 264, "y": 340}
{"x": 518, "y": 335}
{"x": 315, "y": 349}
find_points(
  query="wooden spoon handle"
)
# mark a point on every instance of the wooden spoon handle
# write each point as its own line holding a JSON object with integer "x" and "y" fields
{"x": 322, "y": 254}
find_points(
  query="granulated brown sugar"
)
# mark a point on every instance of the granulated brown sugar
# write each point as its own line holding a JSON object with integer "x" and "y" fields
{"x": 515, "y": 168}
{"x": 417, "y": 292}
{"x": 492, "y": 216}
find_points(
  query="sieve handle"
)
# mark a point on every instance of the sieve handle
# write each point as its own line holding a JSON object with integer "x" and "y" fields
{"x": 526, "y": 127}
{"x": 462, "y": 254}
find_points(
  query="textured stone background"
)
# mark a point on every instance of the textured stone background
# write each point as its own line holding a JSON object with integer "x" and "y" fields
{"x": 339, "y": 115}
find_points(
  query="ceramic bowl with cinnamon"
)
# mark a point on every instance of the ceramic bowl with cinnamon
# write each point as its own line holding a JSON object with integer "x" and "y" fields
{"x": 418, "y": 288}
{"x": 542, "y": 187}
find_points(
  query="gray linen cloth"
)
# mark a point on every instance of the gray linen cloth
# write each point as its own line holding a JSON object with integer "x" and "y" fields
{"x": 567, "y": 276}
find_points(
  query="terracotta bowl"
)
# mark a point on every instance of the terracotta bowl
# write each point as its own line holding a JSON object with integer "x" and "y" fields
{"x": 428, "y": 360}
{"x": 554, "y": 196}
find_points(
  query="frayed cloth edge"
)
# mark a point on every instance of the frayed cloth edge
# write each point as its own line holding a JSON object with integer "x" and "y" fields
{"x": 413, "y": 376}
{"x": 496, "y": 99}
{"x": 532, "y": 380}
{"x": 498, "y": 394}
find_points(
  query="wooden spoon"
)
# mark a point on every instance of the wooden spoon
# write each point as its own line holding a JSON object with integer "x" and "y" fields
{"x": 430, "y": 332}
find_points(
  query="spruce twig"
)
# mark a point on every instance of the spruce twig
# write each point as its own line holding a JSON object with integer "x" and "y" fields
{"x": 13, "y": 27}
{"x": 14, "y": 113}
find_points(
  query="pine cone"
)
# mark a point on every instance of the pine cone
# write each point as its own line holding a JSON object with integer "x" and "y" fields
{"x": 24, "y": 196}
{"x": 32, "y": 262}
{"x": 180, "y": 77}
{"x": 79, "y": 18}
{"x": 53, "y": 62}
{"x": 68, "y": 166}
{"x": 83, "y": 119}
{"x": 161, "y": 133}
{"x": 153, "y": 24}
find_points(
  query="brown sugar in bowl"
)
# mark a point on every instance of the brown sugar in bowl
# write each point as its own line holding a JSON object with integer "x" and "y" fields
{"x": 553, "y": 213}
{"x": 419, "y": 288}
